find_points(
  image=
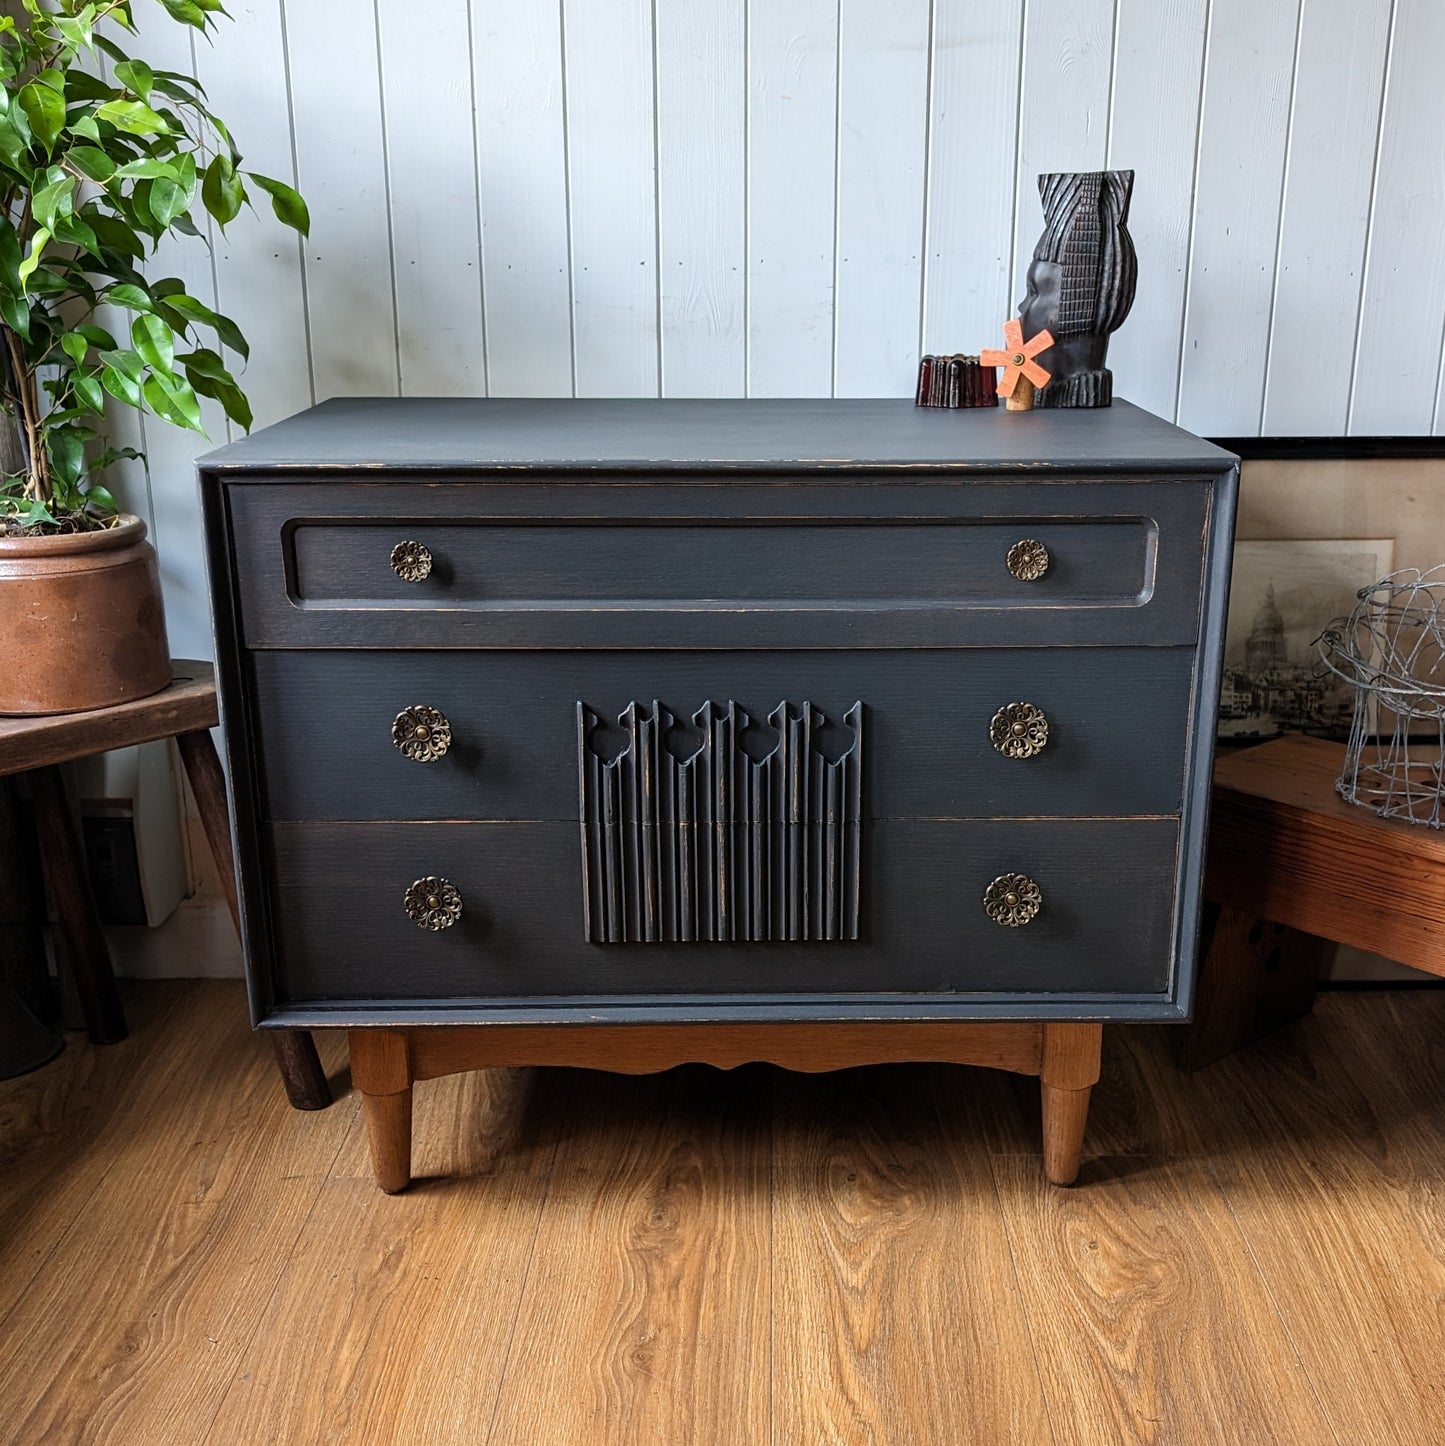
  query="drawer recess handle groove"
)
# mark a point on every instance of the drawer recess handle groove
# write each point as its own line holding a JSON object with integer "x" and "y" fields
{"x": 411, "y": 561}
{"x": 433, "y": 903}
{"x": 1028, "y": 560}
{"x": 1017, "y": 730}
{"x": 1012, "y": 900}
{"x": 421, "y": 733}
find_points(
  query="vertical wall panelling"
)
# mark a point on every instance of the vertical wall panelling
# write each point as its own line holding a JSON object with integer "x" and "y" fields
{"x": 969, "y": 285}
{"x": 257, "y": 259}
{"x": 521, "y": 155}
{"x": 1398, "y": 360}
{"x": 1154, "y": 131}
{"x": 1247, "y": 88}
{"x": 1064, "y": 122}
{"x": 1333, "y": 133}
{"x": 701, "y": 197}
{"x": 341, "y": 168}
{"x": 882, "y": 139}
{"x": 426, "y": 82}
{"x": 611, "y": 172}
{"x": 792, "y": 143}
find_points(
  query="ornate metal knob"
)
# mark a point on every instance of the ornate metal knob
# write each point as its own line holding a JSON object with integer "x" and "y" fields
{"x": 1018, "y": 730}
{"x": 433, "y": 903}
{"x": 411, "y": 561}
{"x": 1012, "y": 900}
{"x": 1028, "y": 560}
{"x": 422, "y": 734}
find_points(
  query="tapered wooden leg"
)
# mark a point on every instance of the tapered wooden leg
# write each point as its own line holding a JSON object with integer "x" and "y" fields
{"x": 63, "y": 857}
{"x": 1070, "y": 1067}
{"x": 296, "y": 1057}
{"x": 381, "y": 1070}
{"x": 388, "y": 1124}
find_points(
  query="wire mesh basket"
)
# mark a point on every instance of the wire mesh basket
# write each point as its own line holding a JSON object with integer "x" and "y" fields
{"x": 1391, "y": 650}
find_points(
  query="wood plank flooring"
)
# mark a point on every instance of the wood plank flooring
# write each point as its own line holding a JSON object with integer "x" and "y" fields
{"x": 1254, "y": 1254}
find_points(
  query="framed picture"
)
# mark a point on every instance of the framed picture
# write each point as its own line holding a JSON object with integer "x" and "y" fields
{"x": 1282, "y": 596}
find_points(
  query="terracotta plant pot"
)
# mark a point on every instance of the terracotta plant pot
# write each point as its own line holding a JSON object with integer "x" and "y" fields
{"x": 81, "y": 622}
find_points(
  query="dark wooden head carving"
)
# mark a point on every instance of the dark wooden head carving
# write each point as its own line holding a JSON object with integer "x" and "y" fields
{"x": 1081, "y": 282}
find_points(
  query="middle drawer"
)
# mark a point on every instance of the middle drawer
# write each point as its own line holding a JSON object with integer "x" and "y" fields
{"x": 938, "y": 743}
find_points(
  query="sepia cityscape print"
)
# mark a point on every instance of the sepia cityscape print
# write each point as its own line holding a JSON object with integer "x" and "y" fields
{"x": 1282, "y": 596}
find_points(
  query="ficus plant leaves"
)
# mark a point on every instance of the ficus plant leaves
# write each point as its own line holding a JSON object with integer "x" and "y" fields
{"x": 103, "y": 156}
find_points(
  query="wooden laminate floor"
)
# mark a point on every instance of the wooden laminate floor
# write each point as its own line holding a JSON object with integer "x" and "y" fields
{"x": 1254, "y": 1254}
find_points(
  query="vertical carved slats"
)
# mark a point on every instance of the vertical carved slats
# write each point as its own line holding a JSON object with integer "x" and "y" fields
{"x": 720, "y": 846}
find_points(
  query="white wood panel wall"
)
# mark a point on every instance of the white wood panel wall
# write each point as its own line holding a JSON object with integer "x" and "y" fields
{"x": 795, "y": 197}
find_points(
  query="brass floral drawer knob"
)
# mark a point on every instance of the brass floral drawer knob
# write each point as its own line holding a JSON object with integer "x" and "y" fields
{"x": 1028, "y": 560}
{"x": 411, "y": 561}
{"x": 433, "y": 903}
{"x": 1018, "y": 730}
{"x": 1012, "y": 900}
{"x": 422, "y": 734}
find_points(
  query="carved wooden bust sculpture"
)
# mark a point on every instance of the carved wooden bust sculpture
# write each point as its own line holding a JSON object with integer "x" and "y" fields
{"x": 1081, "y": 282}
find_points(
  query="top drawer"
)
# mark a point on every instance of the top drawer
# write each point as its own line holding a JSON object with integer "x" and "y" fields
{"x": 626, "y": 563}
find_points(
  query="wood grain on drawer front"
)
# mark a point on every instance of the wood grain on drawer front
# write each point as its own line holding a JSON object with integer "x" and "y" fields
{"x": 342, "y": 933}
{"x": 619, "y": 563}
{"x": 1117, "y": 726}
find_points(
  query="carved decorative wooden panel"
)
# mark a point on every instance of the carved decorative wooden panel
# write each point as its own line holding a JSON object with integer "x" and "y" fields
{"x": 721, "y": 828}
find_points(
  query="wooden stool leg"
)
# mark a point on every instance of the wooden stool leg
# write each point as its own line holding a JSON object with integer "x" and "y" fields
{"x": 381, "y": 1070}
{"x": 1070, "y": 1067}
{"x": 296, "y": 1057}
{"x": 63, "y": 858}
{"x": 1254, "y": 977}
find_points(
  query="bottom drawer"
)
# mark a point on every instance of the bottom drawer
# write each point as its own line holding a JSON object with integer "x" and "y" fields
{"x": 342, "y": 933}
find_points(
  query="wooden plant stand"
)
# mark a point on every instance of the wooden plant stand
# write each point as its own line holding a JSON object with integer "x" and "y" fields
{"x": 37, "y": 746}
{"x": 386, "y": 1062}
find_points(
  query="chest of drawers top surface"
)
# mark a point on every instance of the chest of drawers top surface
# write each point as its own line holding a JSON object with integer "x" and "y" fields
{"x": 620, "y": 594}
{"x": 425, "y": 434}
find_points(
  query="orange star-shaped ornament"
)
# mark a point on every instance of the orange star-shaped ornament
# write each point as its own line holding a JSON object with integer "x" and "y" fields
{"x": 1017, "y": 359}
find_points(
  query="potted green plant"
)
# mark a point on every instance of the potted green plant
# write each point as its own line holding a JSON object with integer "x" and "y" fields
{"x": 101, "y": 156}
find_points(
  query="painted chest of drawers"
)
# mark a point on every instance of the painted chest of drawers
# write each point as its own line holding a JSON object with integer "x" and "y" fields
{"x": 701, "y": 714}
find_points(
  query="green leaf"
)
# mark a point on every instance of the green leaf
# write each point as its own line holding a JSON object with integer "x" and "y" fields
{"x": 132, "y": 116}
{"x": 37, "y": 247}
{"x": 15, "y": 311}
{"x": 148, "y": 167}
{"x": 285, "y": 202}
{"x": 153, "y": 339}
{"x": 167, "y": 201}
{"x": 85, "y": 126}
{"x": 223, "y": 326}
{"x": 91, "y": 162}
{"x": 67, "y": 453}
{"x": 74, "y": 346}
{"x": 174, "y": 400}
{"x": 189, "y": 12}
{"x": 88, "y": 389}
{"x": 12, "y": 144}
{"x": 121, "y": 387}
{"x": 55, "y": 199}
{"x": 9, "y": 257}
{"x": 222, "y": 190}
{"x": 74, "y": 230}
{"x": 132, "y": 296}
{"x": 97, "y": 336}
{"x": 128, "y": 363}
{"x": 75, "y": 30}
{"x": 44, "y": 108}
{"x": 136, "y": 76}
{"x": 99, "y": 498}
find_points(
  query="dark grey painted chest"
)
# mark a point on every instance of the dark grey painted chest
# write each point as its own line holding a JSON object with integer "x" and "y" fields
{"x": 628, "y": 710}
